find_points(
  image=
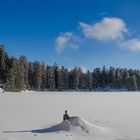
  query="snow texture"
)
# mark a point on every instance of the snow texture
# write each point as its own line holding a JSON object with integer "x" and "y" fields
{"x": 99, "y": 116}
{"x": 1, "y": 90}
{"x": 74, "y": 124}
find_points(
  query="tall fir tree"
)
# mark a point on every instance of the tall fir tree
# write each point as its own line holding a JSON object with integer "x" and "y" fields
{"x": 23, "y": 64}
{"x": 75, "y": 78}
{"x": 112, "y": 77}
{"x": 50, "y": 78}
{"x": 31, "y": 76}
{"x": 131, "y": 83}
{"x": 65, "y": 75}
{"x": 37, "y": 75}
{"x": 43, "y": 76}
{"x": 96, "y": 78}
{"x": 4, "y": 65}
{"x": 12, "y": 74}
{"x": 89, "y": 80}
{"x": 104, "y": 77}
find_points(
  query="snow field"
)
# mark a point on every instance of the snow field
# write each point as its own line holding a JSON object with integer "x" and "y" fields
{"x": 98, "y": 116}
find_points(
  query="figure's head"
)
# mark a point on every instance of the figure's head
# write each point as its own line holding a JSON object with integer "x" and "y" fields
{"x": 66, "y": 111}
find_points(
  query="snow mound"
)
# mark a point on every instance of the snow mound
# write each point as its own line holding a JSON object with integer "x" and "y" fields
{"x": 77, "y": 125}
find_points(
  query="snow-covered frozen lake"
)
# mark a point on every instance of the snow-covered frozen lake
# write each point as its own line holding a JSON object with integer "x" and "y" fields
{"x": 108, "y": 116}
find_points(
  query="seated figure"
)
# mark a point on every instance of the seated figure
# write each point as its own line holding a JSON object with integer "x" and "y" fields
{"x": 66, "y": 116}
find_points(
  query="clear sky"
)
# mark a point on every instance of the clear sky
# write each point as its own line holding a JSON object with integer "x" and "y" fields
{"x": 85, "y": 33}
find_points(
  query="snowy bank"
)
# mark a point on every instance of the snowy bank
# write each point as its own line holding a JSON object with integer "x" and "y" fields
{"x": 74, "y": 124}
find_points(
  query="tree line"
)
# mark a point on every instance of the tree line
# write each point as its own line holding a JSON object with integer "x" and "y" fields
{"x": 17, "y": 74}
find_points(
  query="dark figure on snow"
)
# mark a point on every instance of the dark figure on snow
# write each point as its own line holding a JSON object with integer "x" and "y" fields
{"x": 66, "y": 116}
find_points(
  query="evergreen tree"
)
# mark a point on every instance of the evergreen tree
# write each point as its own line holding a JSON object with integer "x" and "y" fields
{"x": 63, "y": 79}
{"x": 43, "y": 76}
{"x": 126, "y": 78}
{"x": 75, "y": 78}
{"x": 131, "y": 83}
{"x": 60, "y": 85}
{"x": 4, "y": 61}
{"x": 65, "y": 75}
{"x": 89, "y": 81}
{"x": 23, "y": 71}
{"x": 31, "y": 76}
{"x": 50, "y": 78}
{"x": 12, "y": 74}
{"x": 112, "y": 77}
{"x": 81, "y": 79}
{"x": 56, "y": 74}
{"x": 118, "y": 83}
{"x": 37, "y": 75}
{"x": 138, "y": 79}
{"x": 96, "y": 78}
{"x": 104, "y": 77}
{"x": 20, "y": 81}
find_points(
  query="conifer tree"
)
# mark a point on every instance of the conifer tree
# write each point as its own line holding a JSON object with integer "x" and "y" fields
{"x": 75, "y": 78}
{"x": 131, "y": 83}
{"x": 43, "y": 76}
{"x": 65, "y": 75}
{"x": 20, "y": 81}
{"x": 4, "y": 61}
{"x": 50, "y": 78}
{"x": 89, "y": 81}
{"x": 12, "y": 74}
{"x": 96, "y": 78}
{"x": 23, "y": 67}
{"x": 112, "y": 77}
{"x": 31, "y": 76}
{"x": 104, "y": 77}
{"x": 37, "y": 75}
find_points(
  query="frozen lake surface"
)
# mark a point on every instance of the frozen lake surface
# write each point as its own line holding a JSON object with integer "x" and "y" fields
{"x": 98, "y": 116}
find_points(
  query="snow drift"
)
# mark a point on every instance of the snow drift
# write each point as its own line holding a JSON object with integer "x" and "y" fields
{"x": 75, "y": 125}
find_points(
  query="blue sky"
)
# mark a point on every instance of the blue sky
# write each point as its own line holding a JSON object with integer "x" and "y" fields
{"x": 85, "y": 33}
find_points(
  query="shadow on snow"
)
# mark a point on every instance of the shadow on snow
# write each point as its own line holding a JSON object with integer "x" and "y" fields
{"x": 55, "y": 128}
{"x": 74, "y": 123}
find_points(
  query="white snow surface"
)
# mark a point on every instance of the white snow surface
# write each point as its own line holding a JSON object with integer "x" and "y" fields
{"x": 1, "y": 90}
{"x": 93, "y": 116}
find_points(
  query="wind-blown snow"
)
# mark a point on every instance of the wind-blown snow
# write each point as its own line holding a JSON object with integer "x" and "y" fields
{"x": 75, "y": 125}
{"x": 98, "y": 116}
